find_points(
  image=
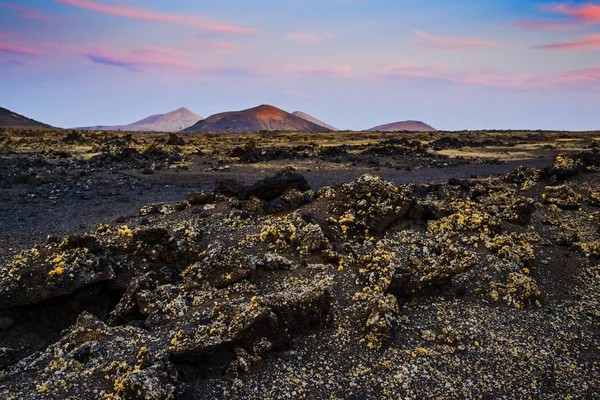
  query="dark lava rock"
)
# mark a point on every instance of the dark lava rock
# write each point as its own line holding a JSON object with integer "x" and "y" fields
{"x": 200, "y": 198}
{"x": 38, "y": 275}
{"x": 7, "y": 357}
{"x": 6, "y": 322}
{"x": 267, "y": 189}
{"x": 369, "y": 202}
{"x": 447, "y": 143}
{"x": 566, "y": 166}
{"x": 562, "y": 196}
{"x": 175, "y": 140}
{"x": 231, "y": 188}
{"x": 120, "y": 362}
{"x": 272, "y": 187}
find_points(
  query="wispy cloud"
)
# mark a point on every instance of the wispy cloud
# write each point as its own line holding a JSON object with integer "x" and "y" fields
{"x": 227, "y": 47}
{"x": 210, "y": 48}
{"x": 547, "y": 26}
{"x": 13, "y": 49}
{"x": 407, "y": 69}
{"x": 27, "y": 13}
{"x": 316, "y": 71}
{"x": 146, "y": 59}
{"x": 448, "y": 43}
{"x": 490, "y": 78}
{"x": 306, "y": 37}
{"x": 590, "y": 42}
{"x": 579, "y": 76}
{"x": 151, "y": 15}
{"x": 11, "y": 61}
{"x": 334, "y": 70}
{"x": 588, "y": 13}
{"x": 152, "y": 60}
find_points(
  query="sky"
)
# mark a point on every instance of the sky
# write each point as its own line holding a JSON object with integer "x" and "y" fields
{"x": 355, "y": 64}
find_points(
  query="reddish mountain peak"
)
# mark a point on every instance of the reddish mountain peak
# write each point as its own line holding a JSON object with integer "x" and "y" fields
{"x": 265, "y": 112}
{"x": 263, "y": 117}
{"x": 267, "y": 107}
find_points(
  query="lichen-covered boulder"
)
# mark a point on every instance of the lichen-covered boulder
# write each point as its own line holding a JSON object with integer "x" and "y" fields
{"x": 95, "y": 361}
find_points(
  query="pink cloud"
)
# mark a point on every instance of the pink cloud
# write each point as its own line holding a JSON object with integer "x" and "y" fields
{"x": 208, "y": 49}
{"x": 402, "y": 65}
{"x": 546, "y": 26}
{"x": 227, "y": 47}
{"x": 27, "y": 13}
{"x": 591, "y": 42}
{"x": 146, "y": 59}
{"x": 333, "y": 70}
{"x": 448, "y": 43}
{"x": 11, "y": 49}
{"x": 403, "y": 70}
{"x": 514, "y": 81}
{"x": 151, "y": 60}
{"x": 589, "y": 75}
{"x": 588, "y": 13}
{"x": 534, "y": 81}
{"x": 150, "y": 15}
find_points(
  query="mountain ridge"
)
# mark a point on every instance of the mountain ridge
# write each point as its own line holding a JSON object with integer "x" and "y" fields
{"x": 264, "y": 117}
{"x": 11, "y": 119}
{"x": 172, "y": 121}
{"x": 409, "y": 126}
{"x": 314, "y": 120}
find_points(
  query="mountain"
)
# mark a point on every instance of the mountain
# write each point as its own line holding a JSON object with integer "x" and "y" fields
{"x": 265, "y": 117}
{"x": 313, "y": 120}
{"x": 412, "y": 126}
{"x": 173, "y": 121}
{"x": 12, "y": 119}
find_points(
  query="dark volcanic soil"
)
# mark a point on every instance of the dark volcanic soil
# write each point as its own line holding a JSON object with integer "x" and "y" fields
{"x": 28, "y": 213}
{"x": 379, "y": 269}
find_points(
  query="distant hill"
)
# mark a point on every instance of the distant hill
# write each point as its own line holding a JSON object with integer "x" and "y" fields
{"x": 14, "y": 120}
{"x": 413, "y": 126}
{"x": 314, "y": 120}
{"x": 173, "y": 121}
{"x": 265, "y": 117}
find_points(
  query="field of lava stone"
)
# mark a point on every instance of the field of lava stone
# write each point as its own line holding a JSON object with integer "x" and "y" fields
{"x": 285, "y": 285}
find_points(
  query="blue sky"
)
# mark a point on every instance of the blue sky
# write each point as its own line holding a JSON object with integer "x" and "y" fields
{"x": 355, "y": 64}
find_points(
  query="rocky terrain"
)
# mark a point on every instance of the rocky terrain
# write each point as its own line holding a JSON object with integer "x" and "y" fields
{"x": 173, "y": 121}
{"x": 409, "y": 126}
{"x": 299, "y": 265}
{"x": 261, "y": 118}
